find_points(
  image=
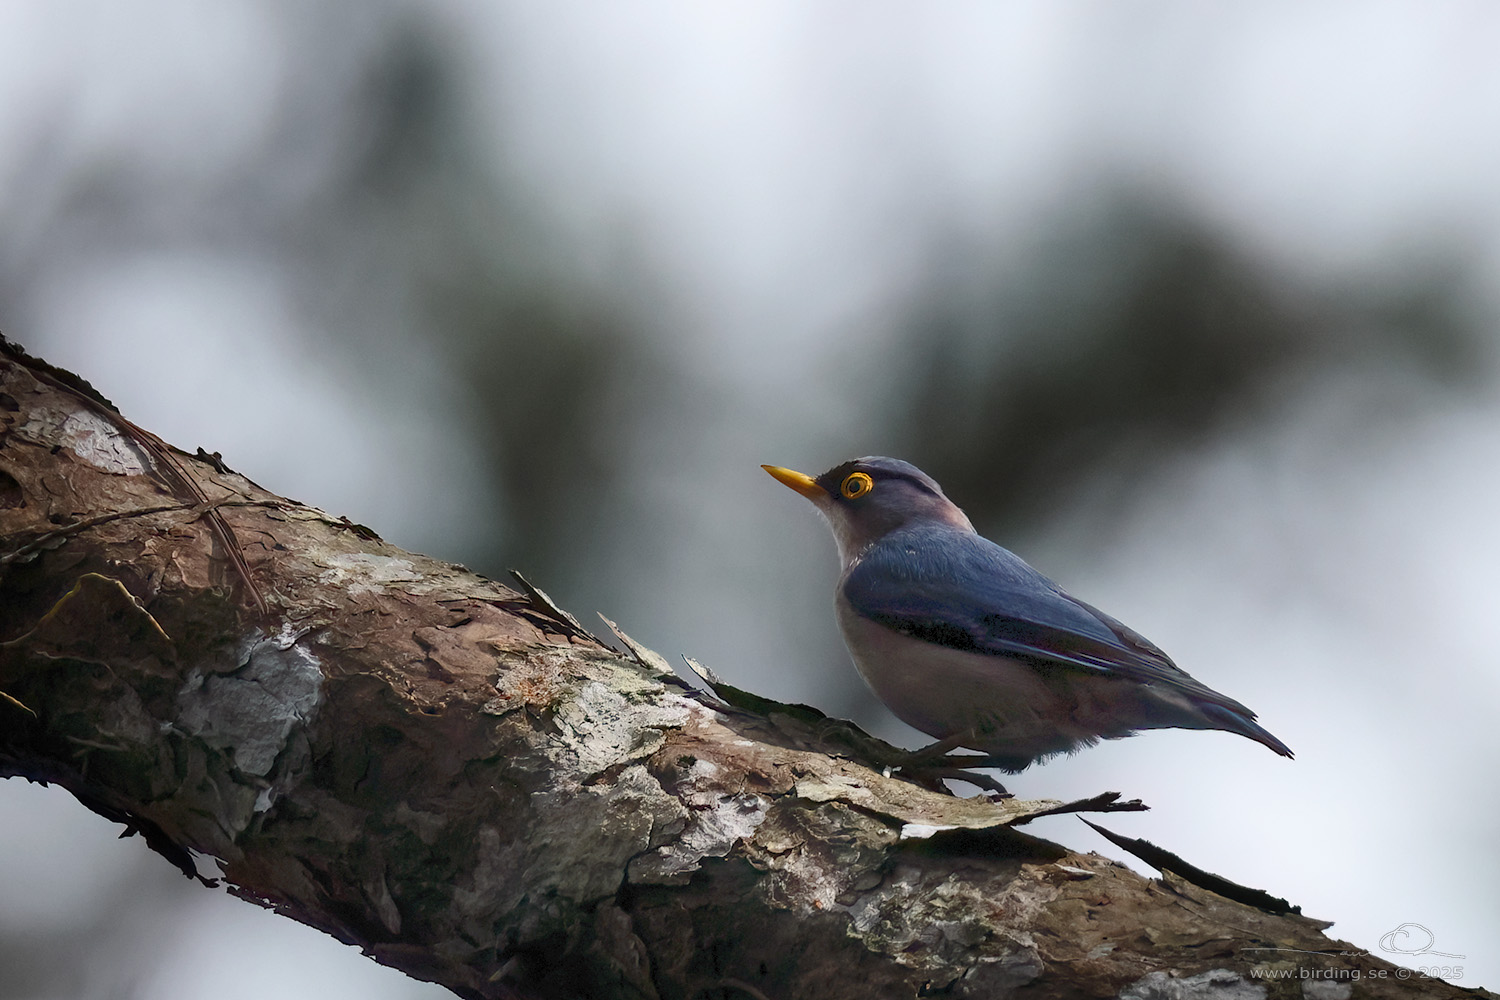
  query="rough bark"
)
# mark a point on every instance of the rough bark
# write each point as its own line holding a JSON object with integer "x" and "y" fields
{"x": 454, "y": 776}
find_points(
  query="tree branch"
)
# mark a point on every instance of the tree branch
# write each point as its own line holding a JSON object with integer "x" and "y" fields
{"x": 458, "y": 778}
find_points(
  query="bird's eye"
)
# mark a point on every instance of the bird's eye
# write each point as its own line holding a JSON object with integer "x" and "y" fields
{"x": 856, "y": 485}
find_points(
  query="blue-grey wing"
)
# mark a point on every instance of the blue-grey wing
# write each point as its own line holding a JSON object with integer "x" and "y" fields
{"x": 958, "y": 589}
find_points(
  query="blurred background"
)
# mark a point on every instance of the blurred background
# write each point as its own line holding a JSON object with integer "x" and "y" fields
{"x": 1196, "y": 308}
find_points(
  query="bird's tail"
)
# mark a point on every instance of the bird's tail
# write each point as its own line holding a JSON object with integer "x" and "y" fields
{"x": 1231, "y": 721}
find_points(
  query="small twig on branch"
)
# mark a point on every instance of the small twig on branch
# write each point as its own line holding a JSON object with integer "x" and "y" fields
{"x": 84, "y": 524}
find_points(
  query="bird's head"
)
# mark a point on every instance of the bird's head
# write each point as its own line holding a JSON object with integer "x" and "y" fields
{"x": 868, "y": 498}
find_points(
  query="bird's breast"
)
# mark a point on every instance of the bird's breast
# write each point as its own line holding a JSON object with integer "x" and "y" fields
{"x": 942, "y": 691}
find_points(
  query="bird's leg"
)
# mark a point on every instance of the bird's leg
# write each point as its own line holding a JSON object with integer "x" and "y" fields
{"x": 939, "y": 753}
{"x": 981, "y": 760}
{"x": 940, "y": 749}
{"x": 931, "y": 764}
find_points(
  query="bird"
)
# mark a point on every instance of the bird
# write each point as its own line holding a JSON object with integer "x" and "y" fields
{"x": 966, "y": 642}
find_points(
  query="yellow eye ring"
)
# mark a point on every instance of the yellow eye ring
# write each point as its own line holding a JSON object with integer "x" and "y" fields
{"x": 856, "y": 485}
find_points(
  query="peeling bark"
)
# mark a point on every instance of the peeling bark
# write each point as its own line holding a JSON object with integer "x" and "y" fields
{"x": 466, "y": 784}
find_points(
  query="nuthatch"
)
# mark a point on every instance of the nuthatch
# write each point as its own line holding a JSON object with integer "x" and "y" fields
{"x": 966, "y": 642}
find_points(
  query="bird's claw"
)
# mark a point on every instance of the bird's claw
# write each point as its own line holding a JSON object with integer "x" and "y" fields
{"x": 932, "y": 774}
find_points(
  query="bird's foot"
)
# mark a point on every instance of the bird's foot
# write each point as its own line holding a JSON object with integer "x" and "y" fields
{"x": 932, "y": 764}
{"x": 931, "y": 774}
{"x": 983, "y": 782}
